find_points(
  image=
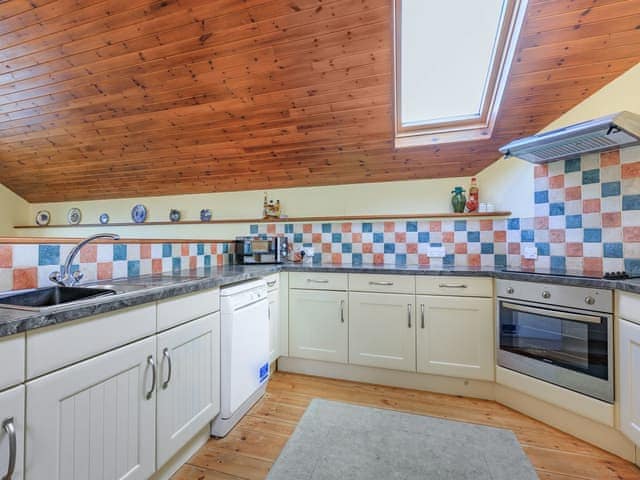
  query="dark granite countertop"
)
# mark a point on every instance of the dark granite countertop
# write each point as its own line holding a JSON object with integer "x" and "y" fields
{"x": 149, "y": 288}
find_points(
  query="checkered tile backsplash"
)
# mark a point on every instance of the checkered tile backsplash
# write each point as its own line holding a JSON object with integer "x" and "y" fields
{"x": 29, "y": 266}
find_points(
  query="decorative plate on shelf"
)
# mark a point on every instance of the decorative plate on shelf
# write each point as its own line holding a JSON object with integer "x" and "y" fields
{"x": 139, "y": 213}
{"x": 174, "y": 215}
{"x": 104, "y": 218}
{"x": 74, "y": 216}
{"x": 205, "y": 215}
{"x": 43, "y": 217}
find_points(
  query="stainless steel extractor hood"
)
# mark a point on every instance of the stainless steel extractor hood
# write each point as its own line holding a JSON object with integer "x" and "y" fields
{"x": 605, "y": 133}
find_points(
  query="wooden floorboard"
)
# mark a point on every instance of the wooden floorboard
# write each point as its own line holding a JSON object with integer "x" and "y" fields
{"x": 254, "y": 444}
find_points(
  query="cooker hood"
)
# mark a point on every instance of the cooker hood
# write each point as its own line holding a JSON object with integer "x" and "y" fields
{"x": 604, "y": 133}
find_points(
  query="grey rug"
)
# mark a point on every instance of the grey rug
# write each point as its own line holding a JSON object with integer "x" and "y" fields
{"x": 340, "y": 441}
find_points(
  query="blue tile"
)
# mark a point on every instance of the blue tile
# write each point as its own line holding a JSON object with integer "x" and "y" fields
{"x": 326, "y": 228}
{"x": 336, "y": 237}
{"x": 307, "y": 245}
{"x": 200, "y": 249}
{"x": 572, "y": 165}
{"x": 166, "y": 250}
{"x": 541, "y": 196}
{"x": 558, "y": 263}
{"x": 288, "y": 228}
{"x": 389, "y": 248}
{"x": 473, "y": 236}
{"x": 176, "y": 264}
{"x": 513, "y": 224}
{"x": 253, "y": 229}
{"x": 610, "y": 189}
{"x": 573, "y": 221}
{"x": 356, "y": 259}
{"x": 631, "y": 202}
{"x": 449, "y": 260}
{"x": 423, "y": 237}
{"x": 133, "y": 268}
{"x": 119, "y": 252}
{"x": 297, "y": 238}
{"x": 591, "y": 176}
{"x": 592, "y": 235}
{"x": 486, "y": 248}
{"x": 612, "y": 250}
{"x": 378, "y": 237}
{"x": 48, "y": 254}
{"x": 543, "y": 248}
{"x": 526, "y": 236}
{"x": 346, "y": 248}
{"x": 632, "y": 265}
{"x": 367, "y": 227}
{"x": 556, "y": 209}
{"x": 317, "y": 258}
{"x": 435, "y": 244}
{"x": 401, "y": 259}
{"x": 207, "y": 260}
{"x": 412, "y": 226}
{"x": 500, "y": 260}
{"x": 459, "y": 225}
{"x": 225, "y": 248}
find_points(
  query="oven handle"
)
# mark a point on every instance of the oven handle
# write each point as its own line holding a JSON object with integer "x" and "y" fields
{"x": 553, "y": 313}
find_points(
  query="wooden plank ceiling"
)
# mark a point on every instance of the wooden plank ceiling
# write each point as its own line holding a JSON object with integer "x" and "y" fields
{"x": 117, "y": 98}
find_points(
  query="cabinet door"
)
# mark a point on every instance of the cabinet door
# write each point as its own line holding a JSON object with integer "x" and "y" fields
{"x": 188, "y": 383}
{"x": 12, "y": 433}
{"x": 318, "y": 325}
{"x": 382, "y": 330}
{"x": 95, "y": 419}
{"x": 629, "y": 377}
{"x": 274, "y": 325}
{"x": 455, "y": 336}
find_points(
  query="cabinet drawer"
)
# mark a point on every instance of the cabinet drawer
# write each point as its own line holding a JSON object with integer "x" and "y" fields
{"x": 382, "y": 283}
{"x": 454, "y": 286}
{"x": 12, "y": 360}
{"x": 318, "y": 281}
{"x": 53, "y": 347}
{"x": 273, "y": 282}
{"x": 177, "y": 310}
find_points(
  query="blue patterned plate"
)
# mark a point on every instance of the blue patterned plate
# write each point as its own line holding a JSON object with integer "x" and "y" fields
{"x": 104, "y": 218}
{"x": 139, "y": 213}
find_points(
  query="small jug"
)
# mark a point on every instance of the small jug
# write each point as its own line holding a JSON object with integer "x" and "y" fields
{"x": 458, "y": 199}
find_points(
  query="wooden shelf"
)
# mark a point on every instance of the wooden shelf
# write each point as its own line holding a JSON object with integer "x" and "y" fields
{"x": 345, "y": 218}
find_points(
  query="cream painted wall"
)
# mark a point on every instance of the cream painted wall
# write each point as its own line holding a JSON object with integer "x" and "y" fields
{"x": 13, "y": 210}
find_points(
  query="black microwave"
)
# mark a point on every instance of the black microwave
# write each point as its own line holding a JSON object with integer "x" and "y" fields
{"x": 261, "y": 249}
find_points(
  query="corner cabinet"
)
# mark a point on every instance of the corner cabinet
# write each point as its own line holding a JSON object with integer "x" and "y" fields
{"x": 95, "y": 419}
{"x": 629, "y": 378}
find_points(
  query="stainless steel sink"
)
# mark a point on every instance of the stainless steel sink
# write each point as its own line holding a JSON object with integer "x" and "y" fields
{"x": 51, "y": 296}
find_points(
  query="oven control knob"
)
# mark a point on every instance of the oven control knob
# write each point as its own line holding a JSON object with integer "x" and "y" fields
{"x": 546, "y": 294}
{"x": 589, "y": 300}
{"x": 510, "y": 290}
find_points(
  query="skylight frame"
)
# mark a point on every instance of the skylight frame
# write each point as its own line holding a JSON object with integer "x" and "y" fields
{"x": 463, "y": 127}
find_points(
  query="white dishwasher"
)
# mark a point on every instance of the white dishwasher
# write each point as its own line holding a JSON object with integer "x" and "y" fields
{"x": 244, "y": 351}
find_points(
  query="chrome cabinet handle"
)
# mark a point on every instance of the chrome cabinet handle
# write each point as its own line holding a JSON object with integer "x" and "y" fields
{"x": 452, "y": 285}
{"x": 341, "y": 311}
{"x": 271, "y": 284}
{"x": 9, "y": 427}
{"x": 311, "y": 280}
{"x": 409, "y": 314}
{"x": 382, "y": 284}
{"x": 422, "y": 315}
{"x": 167, "y": 355}
{"x": 152, "y": 364}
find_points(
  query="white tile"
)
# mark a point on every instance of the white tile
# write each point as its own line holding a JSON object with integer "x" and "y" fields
{"x": 591, "y": 191}
{"x": 412, "y": 237}
{"x": 461, "y": 260}
{"x": 367, "y": 237}
{"x": 542, "y": 235}
{"x": 401, "y": 248}
{"x": 459, "y": 237}
{"x": 556, "y": 168}
{"x": 612, "y": 264}
{"x": 556, "y": 222}
{"x": 389, "y": 259}
{"x": 473, "y": 247}
{"x": 473, "y": 225}
{"x": 423, "y": 248}
{"x": 573, "y": 207}
{"x": 541, "y": 209}
{"x": 573, "y": 179}
{"x": 356, "y": 227}
{"x": 591, "y": 220}
{"x": 119, "y": 269}
{"x": 326, "y": 238}
{"x": 25, "y": 255}
{"x": 167, "y": 264}
{"x": 486, "y": 236}
{"x": 378, "y": 248}
{"x": 193, "y": 250}
{"x": 573, "y": 235}
{"x": 611, "y": 204}
{"x": 590, "y": 161}
{"x": 592, "y": 249}
{"x": 487, "y": 260}
{"x": 176, "y": 250}
{"x": 630, "y": 154}
{"x": 389, "y": 237}
{"x": 412, "y": 259}
{"x": 543, "y": 262}
{"x": 336, "y": 248}
{"x": 133, "y": 251}
{"x": 631, "y": 250}
{"x": 367, "y": 258}
{"x": 610, "y": 173}
{"x": 146, "y": 265}
{"x": 556, "y": 195}
{"x": 574, "y": 263}
{"x": 156, "y": 250}
{"x": 610, "y": 235}
{"x": 631, "y": 218}
{"x": 43, "y": 275}
{"x": 90, "y": 271}
{"x": 356, "y": 248}
{"x": 630, "y": 186}
{"x": 540, "y": 184}
{"x": 6, "y": 279}
{"x": 347, "y": 237}
{"x": 513, "y": 260}
{"x": 557, "y": 249}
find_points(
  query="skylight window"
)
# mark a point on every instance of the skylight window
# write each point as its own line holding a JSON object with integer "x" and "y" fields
{"x": 452, "y": 60}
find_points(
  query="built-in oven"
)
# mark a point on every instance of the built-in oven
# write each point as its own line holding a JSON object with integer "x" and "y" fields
{"x": 557, "y": 333}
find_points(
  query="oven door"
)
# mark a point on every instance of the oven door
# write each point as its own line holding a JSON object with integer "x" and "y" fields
{"x": 566, "y": 347}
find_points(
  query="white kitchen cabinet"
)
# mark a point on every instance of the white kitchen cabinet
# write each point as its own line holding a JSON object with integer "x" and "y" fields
{"x": 188, "y": 383}
{"x": 455, "y": 336}
{"x": 12, "y": 433}
{"x": 382, "y": 330}
{"x": 629, "y": 378}
{"x": 274, "y": 325}
{"x": 95, "y": 419}
{"x": 318, "y": 325}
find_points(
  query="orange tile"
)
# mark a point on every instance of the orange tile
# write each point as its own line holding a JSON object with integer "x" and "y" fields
{"x": 378, "y": 259}
{"x": 6, "y": 256}
{"x": 500, "y": 236}
{"x": 401, "y": 237}
{"x": 527, "y": 263}
{"x": 389, "y": 226}
{"x": 486, "y": 225}
{"x": 556, "y": 236}
{"x": 423, "y": 259}
{"x": 184, "y": 250}
{"x": 367, "y": 248}
{"x": 145, "y": 251}
{"x": 541, "y": 171}
{"x": 156, "y": 265}
{"x": 193, "y": 262}
{"x": 591, "y": 205}
{"x": 631, "y": 234}
{"x": 447, "y": 237}
{"x": 631, "y": 170}
{"x": 513, "y": 248}
{"x": 89, "y": 254}
{"x": 306, "y": 228}
{"x": 541, "y": 223}
{"x": 326, "y": 248}
{"x": 356, "y": 238}
{"x": 271, "y": 229}
{"x": 346, "y": 227}
{"x": 612, "y": 219}
{"x": 460, "y": 248}
{"x": 573, "y": 193}
{"x": 435, "y": 226}
{"x": 610, "y": 158}
{"x": 316, "y": 237}
{"x": 592, "y": 264}
{"x": 220, "y": 259}
{"x": 557, "y": 181}
{"x": 412, "y": 248}
{"x": 336, "y": 258}
{"x": 574, "y": 249}
{"x": 25, "y": 278}
{"x": 473, "y": 259}
{"x": 105, "y": 270}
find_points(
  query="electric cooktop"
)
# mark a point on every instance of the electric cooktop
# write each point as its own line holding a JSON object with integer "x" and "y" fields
{"x": 572, "y": 273}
